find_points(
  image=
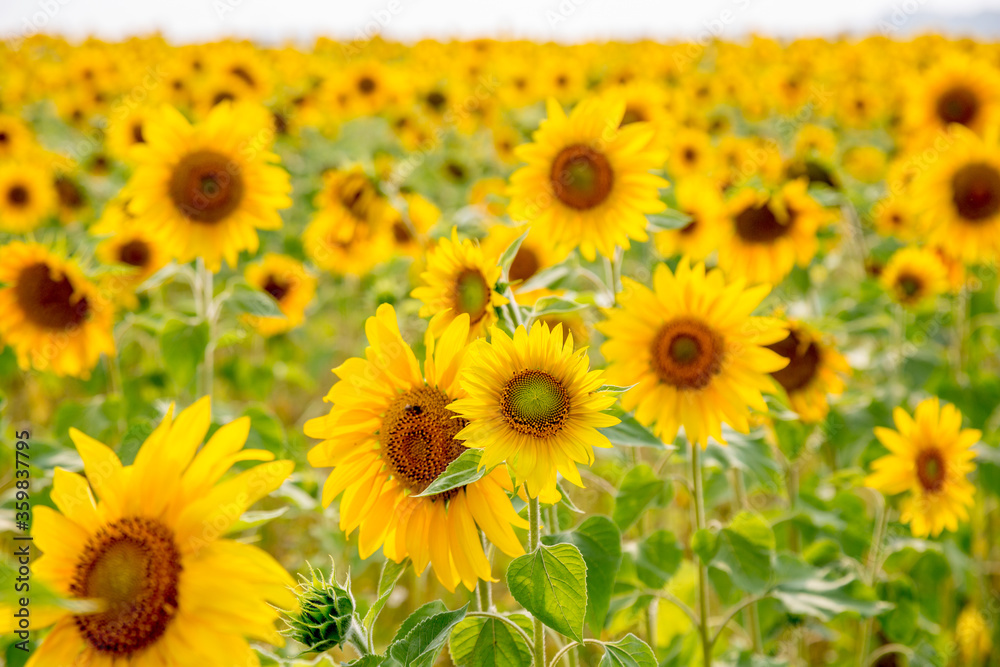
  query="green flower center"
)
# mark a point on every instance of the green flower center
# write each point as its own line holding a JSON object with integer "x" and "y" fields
{"x": 535, "y": 403}
{"x": 931, "y": 470}
{"x": 686, "y": 354}
{"x": 472, "y": 294}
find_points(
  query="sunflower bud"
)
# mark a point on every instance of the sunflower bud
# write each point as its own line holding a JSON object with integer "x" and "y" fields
{"x": 325, "y": 619}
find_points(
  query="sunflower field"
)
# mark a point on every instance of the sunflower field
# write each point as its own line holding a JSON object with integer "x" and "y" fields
{"x": 500, "y": 353}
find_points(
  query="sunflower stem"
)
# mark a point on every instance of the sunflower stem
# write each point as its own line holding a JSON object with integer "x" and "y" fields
{"x": 204, "y": 294}
{"x": 753, "y": 620}
{"x": 699, "y": 514}
{"x": 534, "y": 539}
{"x": 871, "y": 571}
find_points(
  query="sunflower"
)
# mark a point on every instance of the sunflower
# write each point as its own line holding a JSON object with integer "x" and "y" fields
{"x": 914, "y": 275}
{"x": 690, "y": 153}
{"x": 338, "y": 243}
{"x": 534, "y": 402}
{"x": 390, "y": 434}
{"x": 207, "y": 188}
{"x": 16, "y": 137}
{"x": 956, "y": 91}
{"x": 930, "y": 456}
{"x": 126, "y": 130}
{"x": 770, "y": 232}
{"x": 959, "y": 197}
{"x": 409, "y": 233}
{"x": 460, "y": 278}
{"x": 54, "y": 318}
{"x": 700, "y": 199}
{"x": 26, "y": 196}
{"x": 135, "y": 249}
{"x": 895, "y": 218}
{"x": 698, "y": 356}
{"x": 149, "y": 551}
{"x": 352, "y": 192}
{"x": 813, "y": 372}
{"x": 587, "y": 181}
{"x": 288, "y": 283}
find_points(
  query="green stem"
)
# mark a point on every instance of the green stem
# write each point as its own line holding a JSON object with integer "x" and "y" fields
{"x": 753, "y": 619}
{"x": 204, "y": 296}
{"x": 484, "y": 591}
{"x": 874, "y": 558}
{"x": 699, "y": 512}
{"x": 534, "y": 539}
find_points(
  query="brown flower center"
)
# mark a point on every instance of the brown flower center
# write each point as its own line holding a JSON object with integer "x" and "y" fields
{"x": 18, "y": 196}
{"x": 471, "y": 295}
{"x": 47, "y": 302}
{"x": 418, "y": 438}
{"x": 581, "y": 177}
{"x": 976, "y": 191}
{"x": 958, "y": 104}
{"x": 758, "y": 224}
{"x": 535, "y": 403}
{"x": 932, "y": 470}
{"x": 803, "y": 362}
{"x": 206, "y": 187}
{"x": 366, "y": 85}
{"x": 134, "y": 253}
{"x": 133, "y": 566}
{"x": 69, "y": 191}
{"x": 137, "y": 135}
{"x": 632, "y": 115}
{"x": 686, "y": 354}
{"x": 276, "y": 288}
{"x": 525, "y": 264}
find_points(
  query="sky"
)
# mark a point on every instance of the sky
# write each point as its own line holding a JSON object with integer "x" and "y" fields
{"x": 275, "y": 21}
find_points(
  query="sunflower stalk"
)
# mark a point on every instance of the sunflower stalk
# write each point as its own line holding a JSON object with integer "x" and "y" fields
{"x": 534, "y": 540}
{"x": 752, "y": 617}
{"x": 699, "y": 512}
{"x": 204, "y": 293}
{"x": 871, "y": 572}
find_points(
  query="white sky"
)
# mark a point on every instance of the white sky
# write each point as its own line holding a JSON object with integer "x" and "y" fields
{"x": 561, "y": 20}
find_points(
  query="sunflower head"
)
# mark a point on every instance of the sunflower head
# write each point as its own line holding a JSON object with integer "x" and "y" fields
{"x": 326, "y": 613}
{"x": 207, "y": 188}
{"x": 461, "y": 278}
{"x": 533, "y": 402}
{"x": 930, "y": 456}
{"x": 285, "y": 280}
{"x": 586, "y": 182}
{"x": 690, "y": 343}
{"x": 56, "y": 319}
{"x": 914, "y": 275}
{"x": 813, "y": 372}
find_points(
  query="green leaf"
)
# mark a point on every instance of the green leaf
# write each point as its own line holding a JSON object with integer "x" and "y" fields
{"x": 507, "y": 258}
{"x": 553, "y": 305}
{"x": 488, "y": 641}
{"x": 257, "y": 518}
{"x": 669, "y": 219}
{"x": 640, "y": 490}
{"x": 811, "y": 591}
{"x": 745, "y": 549}
{"x": 630, "y": 433}
{"x": 551, "y": 583}
{"x": 246, "y": 299}
{"x": 614, "y": 389}
{"x": 391, "y": 572}
{"x": 629, "y": 651}
{"x": 421, "y": 645}
{"x": 424, "y": 611}
{"x": 600, "y": 544}
{"x": 705, "y": 544}
{"x": 463, "y": 470}
{"x": 183, "y": 348}
{"x": 659, "y": 557}
{"x": 266, "y": 431}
